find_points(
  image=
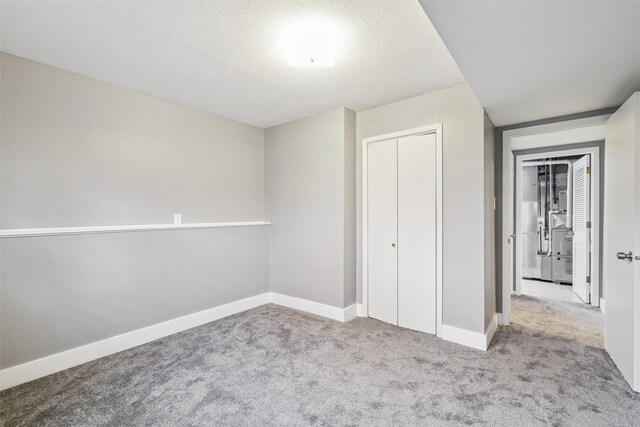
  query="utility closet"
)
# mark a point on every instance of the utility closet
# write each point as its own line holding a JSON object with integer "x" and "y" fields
{"x": 547, "y": 197}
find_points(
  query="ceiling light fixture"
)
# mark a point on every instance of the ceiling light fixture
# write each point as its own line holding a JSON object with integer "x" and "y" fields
{"x": 311, "y": 43}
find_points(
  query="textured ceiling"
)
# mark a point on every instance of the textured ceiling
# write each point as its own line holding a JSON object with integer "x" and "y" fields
{"x": 528, "y": 60}
{"x": 225, "y": 57}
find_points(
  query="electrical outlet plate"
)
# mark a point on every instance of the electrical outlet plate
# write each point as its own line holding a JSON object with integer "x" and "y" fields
{"x": 177, "y": 218}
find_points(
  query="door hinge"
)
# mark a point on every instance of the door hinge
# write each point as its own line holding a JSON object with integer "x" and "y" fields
{"x": 588, "y": 279}
{"x": 588, "y": 224}
{"x": 588, "y": 169}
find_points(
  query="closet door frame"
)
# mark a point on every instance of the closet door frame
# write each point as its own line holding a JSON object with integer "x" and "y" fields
{"x": 423, "y": 130}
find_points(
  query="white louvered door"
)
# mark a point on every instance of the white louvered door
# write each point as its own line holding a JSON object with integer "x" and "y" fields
{"x": 581, "y": 228}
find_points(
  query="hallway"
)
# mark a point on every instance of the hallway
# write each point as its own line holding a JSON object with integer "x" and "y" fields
{"x": 565, "y": 320}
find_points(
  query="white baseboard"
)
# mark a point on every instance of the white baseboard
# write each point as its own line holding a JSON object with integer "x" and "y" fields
{"x": 470, "y": 338}
{"x": 501, "y": 320}
{"x": 491, "y": 329}
{"x": 324, "y": 310}
{"x": 350, "y": 312}
{"x": 360, "y": 310}
{"x": 48, "y": 365}
{"x": 29, "y": 371}
{"x": 464, "y": 337}
{"x": 602, "y": 305}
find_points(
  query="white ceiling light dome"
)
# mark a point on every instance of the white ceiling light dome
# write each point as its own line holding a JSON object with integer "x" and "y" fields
{"x": 311, "y": 42}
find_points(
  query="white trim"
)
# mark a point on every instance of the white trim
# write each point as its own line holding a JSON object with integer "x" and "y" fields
{"x": 57, "y": 231}
{"x": 360, "y": 311}
{"x": 501, "y": 321}
{"x": 636, "y": 281}
{"x": 29, "y": 371}
{"x": 350, "y": 312}
{"x": 602, "y": 306}
{"x": 507, "y": 228}
{"x": 517, "y": 227}
{"x": 464, "y": 337}
{"x": 324, "y": 310}
{"x": 437, "y": 129}
{"x": 469, "y": 338}
{"x": 439, "y": 228}
{"x": 508, "y": 196}
{"x": 594, "y": 207}
{"x": 491, "y": 329}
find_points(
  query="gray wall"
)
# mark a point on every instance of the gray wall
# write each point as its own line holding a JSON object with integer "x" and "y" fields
{"x": 489, "y": 222}
{"x": 63, "y": 292}
{"x": 463, "y": 192}
{"x": 350, "y": 246}
{"x": 78, "y": 152}
{"x": 308, "y": 181}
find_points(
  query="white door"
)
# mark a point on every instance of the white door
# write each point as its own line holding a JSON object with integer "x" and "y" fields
{"x": 417, "y": 233}
{"x": 581, "y": 228}
{"x": 382, "y": 217}
{"x": 621, "y": 221}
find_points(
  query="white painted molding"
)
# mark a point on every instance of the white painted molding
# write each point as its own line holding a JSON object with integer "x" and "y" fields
{"x": 324, "y": 310}
{"x": 57, "y": 231}
{"x": 491, "y": 329}
{"x": 602, "y": 306}
{"x": 501, "y": 320}
{"x": 350, "y": 312}
{"x": 464, "y": 337}
{"x": 360, "y": 310}
{"x": 29, "y": 371}
{"x": 469, "y": 338}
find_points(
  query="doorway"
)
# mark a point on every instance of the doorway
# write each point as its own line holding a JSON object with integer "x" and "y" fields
{"x": 565, "y": 136}
{"x": 557, "y": 226}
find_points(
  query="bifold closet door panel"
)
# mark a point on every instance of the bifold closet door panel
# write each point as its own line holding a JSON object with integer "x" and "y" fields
{"x": 417, "y": 233}
{"x": 382, "y": 230}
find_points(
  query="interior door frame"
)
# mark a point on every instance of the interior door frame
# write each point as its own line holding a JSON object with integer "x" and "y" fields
{"x": 547, "y": 135}
{"x": 423, "y": 130}
{"x": 594, "y": 208}
{"x": 636, "y": 274}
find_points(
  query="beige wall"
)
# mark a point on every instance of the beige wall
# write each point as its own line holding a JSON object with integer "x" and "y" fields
{"x": 462, "y": 118}
{"x": 310, "y": 167}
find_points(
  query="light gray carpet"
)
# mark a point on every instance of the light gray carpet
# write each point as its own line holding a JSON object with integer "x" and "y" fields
{"x": 276, "y": 366}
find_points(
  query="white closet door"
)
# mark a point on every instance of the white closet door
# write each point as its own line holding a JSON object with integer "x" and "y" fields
{"x": 581, "y": 236}
{"x": 417, "y": 233}
{"x": 382, "y": 216}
